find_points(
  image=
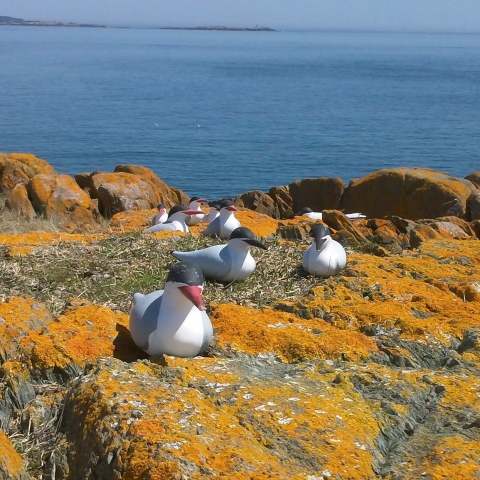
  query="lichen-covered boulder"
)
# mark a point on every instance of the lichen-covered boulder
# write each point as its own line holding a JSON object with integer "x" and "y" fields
{"x": 473, "y": 204}
{"x": 339, "y": 221}
{"x": 18, "y": 317}
{"x": 18, "y": 202}
{"x": 283, "y": 201}
{"x": 168, "y": 195}
{"x": 19, "y": 168}
{"x": 57, "y": 196}
{"x": 317, "y": 193}
{"x": 117, "y": 192}
{"x": 474, "y": 177}
{"x": 411, "y": 193}
{"x": 258, "y": 201}
{"x": 239, "y": 419}
{"x": 82, "y": 333}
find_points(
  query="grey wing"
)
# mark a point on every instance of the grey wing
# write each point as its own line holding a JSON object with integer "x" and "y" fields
{"x": 212, "y": 260}
{"x": 143, "y": 318}
{"x": 207, "y": 332}
{"x": 213, "y": 229}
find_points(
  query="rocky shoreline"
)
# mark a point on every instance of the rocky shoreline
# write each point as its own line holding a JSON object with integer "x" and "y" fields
{"x": 40, "y": 23}
{"x": 370, "y": 374}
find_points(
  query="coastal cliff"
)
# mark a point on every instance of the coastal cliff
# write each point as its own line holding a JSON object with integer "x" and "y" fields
{"x": 370, "y": 374}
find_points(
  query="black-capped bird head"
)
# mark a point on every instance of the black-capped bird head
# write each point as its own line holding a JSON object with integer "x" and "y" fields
{"x": 245, "y": 234}
{"x": 319, "y": 233}
{"x": 303, "y": 211}
{"x": 188, "y": 278}
{"x": 227, "y": 205}
{"x": 182, "y": 209}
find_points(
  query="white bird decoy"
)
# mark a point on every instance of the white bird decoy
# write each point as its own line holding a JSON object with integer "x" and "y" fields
{"x": 307, "y": 212}
{"x": 175, "y": 221}
{"x": 173, "y": 321}
{"x": 212, "y": 214}
{"x": 196, "y": 204}
{"x": 324, "y": 257}
{"x": 225, "y": 223}
{"x": 161, "y": 216}
{"x": 226, "y": 263}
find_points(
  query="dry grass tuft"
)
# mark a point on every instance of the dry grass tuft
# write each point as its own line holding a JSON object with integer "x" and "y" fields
{"x": 35, "y": 435}
{"x": 110, "y": 270}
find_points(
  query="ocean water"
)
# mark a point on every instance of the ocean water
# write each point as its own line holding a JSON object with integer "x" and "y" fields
{"x": 220, "y": 113}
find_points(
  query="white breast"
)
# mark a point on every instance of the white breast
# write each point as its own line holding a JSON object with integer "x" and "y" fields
{"x": 326, "y": 262}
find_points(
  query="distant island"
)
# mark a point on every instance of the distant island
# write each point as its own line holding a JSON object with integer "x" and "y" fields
{"x": 39, "y": 23}
{"x": 233, "y": 29}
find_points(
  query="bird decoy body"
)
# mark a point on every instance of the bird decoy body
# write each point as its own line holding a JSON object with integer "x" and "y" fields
{"x": 173, "y": 321}
{"x": 226, "y": 263}
{"x": 176, "y": 220}
{"x": 212, "y": 214}
{"x": 195, "y": 204}
{"x": 308, "y": 212}
{"x": 161, "y": 216}
{"x": 225, "y": 223}
{"x": 325, "y": 256}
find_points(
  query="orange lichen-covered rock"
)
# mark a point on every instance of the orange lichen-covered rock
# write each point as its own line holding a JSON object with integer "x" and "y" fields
{"x": 338, "y": 221}
{"x": 411, "y": 193}
{"x": 132, "y": 220}
{"x": 411, "y": 297}
{"x": 18, "y": 202}
{"x": 259, "y": 202}
{"x": 224, "y": 418}
{"x": 19, "y": 168}
{"x": 12, "y": 466}
{"x": 129, "y": 187}
{"x": 288, "y": 337}
{"x": 317, "y": 193}
{"x": 57, "y": 195}
{"x": 79, "y": 335}
{"x": 170, "y": 196}
{"x": 260, "y": 224}
{"x": 283, "y": 201}
{"x": 474, "y": 177}
{"x": 18, "y": 317}
{"x": 23, "y": 243}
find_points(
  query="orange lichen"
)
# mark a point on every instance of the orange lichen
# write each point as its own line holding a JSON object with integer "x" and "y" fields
{"x": 132, "y": 220}
{"x": 80, "y": 335}
{"x": 453, "y": 457}
{"x": 291, "y": 338}
{"x": 25, "y": 243}
{"x": 416, "y": 294}
{"x": 261, "y": 225}
{"x": 235, "y": 425}
{"x": 11, "y": 461}
{"x": 19, "y": 316}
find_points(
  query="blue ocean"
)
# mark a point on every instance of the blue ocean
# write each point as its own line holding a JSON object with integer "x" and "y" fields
{"x": 217, "y": 113}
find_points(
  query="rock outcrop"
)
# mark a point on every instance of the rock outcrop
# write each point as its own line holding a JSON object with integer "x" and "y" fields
{"x": 20, "y": 168}
{"x": 129, "y": 187}
{"x": 58, "y": 196}
{"x": 373, "y": 373}
{"x": 411, "y": 193}
{"x": 18, "y": 202}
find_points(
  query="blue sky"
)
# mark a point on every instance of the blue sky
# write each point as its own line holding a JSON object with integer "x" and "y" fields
{"x": 409, "y": 15}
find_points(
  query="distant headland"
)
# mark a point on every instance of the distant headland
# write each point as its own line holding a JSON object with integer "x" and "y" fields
{"x": 257, "y": 28}
{"x": 38, "y": 23}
